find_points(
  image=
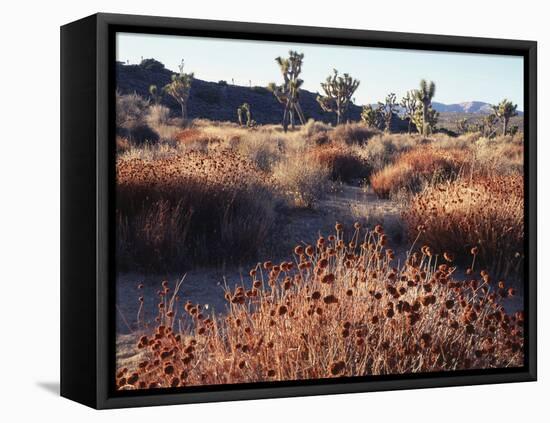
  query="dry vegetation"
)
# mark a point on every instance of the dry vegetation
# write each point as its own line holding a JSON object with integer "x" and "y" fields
{"x": 341, "y": 308}
{"x": 482, "y": 213}
{"x": 211, "y": 194}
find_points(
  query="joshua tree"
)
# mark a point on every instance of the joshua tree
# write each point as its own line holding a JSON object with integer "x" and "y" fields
{"x": 425, "y": 122}
{"x": 156, "y": 97}
{"x": 371, "y": 116}
{"x": 338, "y": 92}
{"x": 244, "y": 110}
{"x": 504, "y": 111}
{"x": 462, "y": 125}
{"x": 387, "y": 110}
{"x": 409, "y": 103}
{"x": 179, "y": 89}
{"x": 488, "y": 125}
{"x": 288, "y": 93}
{"x": 425, "y": 95}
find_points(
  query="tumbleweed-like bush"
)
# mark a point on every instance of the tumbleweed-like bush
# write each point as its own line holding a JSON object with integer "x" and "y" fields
{"x": 343, "y": 307}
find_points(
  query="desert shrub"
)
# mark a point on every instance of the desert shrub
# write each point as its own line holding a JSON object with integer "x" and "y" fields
{"x": 316, "y": 132}
{"x": 415, "y": 169}
{"x": 383, "y": 149}
{"x": 342, "y": 161}
{"x": 264, "y": 149}
{"x": 159, "y": 120}
{"x": 303, "y": 182}
{"x": 130, "y": 110}
{"x": 157, "y": 115}
{"x": 353, "y": 133}
{"x": 499, "y": 156}
{"x": 342, "y": 308}
{"x": 190, "y": 209}
{"x": 482, "y": 213}
{"x": 196, "y": 140}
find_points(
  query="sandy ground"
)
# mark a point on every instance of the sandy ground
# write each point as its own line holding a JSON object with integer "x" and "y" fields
{"x": 345, "y": 204}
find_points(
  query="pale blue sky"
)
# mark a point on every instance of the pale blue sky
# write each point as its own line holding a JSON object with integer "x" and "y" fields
{"x": 459, "y": 77}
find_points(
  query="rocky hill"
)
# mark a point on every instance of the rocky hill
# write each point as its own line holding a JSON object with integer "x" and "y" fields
{"x": 219, "y": 100}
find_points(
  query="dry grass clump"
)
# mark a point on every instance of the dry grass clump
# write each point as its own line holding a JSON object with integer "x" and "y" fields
{"x": 344, "y": 163}
{"x": 499, "y": 156}
{"x": 340, "y": 308}
{"x": 303, "y": 182}
{"x": 416, "y": 168}
{"x": 193, "y": 208}
{"x": 353, "y": 134}
{"x": 484, "y": 213}
{"x": 382, "y": 150}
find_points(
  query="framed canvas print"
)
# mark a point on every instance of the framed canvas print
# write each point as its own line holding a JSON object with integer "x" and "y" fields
{"x": 254, "y": 211}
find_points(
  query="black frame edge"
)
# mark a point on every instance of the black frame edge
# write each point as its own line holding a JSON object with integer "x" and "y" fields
{"x": 78, "y": 212}
{"x": 100, "y": 371}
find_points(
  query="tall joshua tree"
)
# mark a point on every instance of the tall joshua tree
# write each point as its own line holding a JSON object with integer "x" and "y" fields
{"x": 179, "y": 89}
{"x": 505, "y": 110}
{"x": 288, "y": 92}
{"x": 425, "y": 95}
{"x": 388, "y": 109}
{"x": 338, "y": 91}
{"x": 409, "y": 103}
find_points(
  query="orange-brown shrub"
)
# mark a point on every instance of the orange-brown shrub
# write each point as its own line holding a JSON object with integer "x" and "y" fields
{"x": 414, "y": 169}
{"x": 196, "y": 139}
{"x": 340, "y": 308}
{"x": 196, "y": 207}
{"x": 344, "y": 164}
{"x": 486, "y": 213}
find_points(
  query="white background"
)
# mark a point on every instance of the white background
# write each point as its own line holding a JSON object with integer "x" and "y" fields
{"x": 29, "y": 208}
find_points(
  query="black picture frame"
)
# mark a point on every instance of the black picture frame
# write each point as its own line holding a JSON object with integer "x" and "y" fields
{"x": 87, "y": 175}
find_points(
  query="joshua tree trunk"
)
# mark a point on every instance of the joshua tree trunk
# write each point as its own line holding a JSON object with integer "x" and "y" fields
{"x": 425, "y": 118}
{"x": 504, "y": 125}
{"x": 409, "y": 127}
{"x": 300, "y": 113}
{"x": 184, "y": 113}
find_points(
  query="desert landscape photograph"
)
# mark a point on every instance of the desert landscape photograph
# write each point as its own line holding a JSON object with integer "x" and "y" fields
{"x": 290, "y": 211}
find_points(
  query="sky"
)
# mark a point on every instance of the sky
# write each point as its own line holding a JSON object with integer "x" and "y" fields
{"x": 459, "y": 77}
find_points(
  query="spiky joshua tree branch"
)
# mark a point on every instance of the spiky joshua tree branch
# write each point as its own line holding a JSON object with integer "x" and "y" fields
{"x": 179, "y": 89}
{"x": 505, "y": 110}
{"x": 425, "y": 95}
{"x": 338, "y": 91}
{"x": 288, "y": 92}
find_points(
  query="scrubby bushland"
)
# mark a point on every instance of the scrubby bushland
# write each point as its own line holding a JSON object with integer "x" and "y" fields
{"x": 413, "y": 170}
{"x": 482, "y": 213}
{"x": 343, "y": 162}
{"x": 190, "y": 209}
{"x": 353, "y": 133}
{"x": 384, "y": 149}
{"x": 344, "y": 307}
{"x": 304, "y": 183}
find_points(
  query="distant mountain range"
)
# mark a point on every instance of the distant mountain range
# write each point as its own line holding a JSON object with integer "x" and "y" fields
{"x": 219, "y": 100}
{"x": 467, "y": 107}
